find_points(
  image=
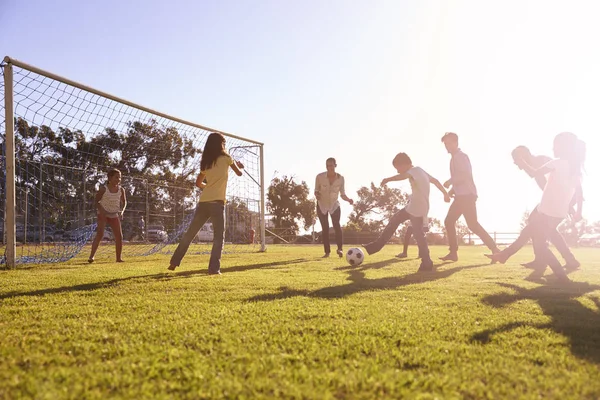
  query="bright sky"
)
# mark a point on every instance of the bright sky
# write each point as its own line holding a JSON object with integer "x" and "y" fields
{"x": 355, "y": 80}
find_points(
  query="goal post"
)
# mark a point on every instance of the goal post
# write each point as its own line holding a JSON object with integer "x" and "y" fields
{"x": 60, "y": 137}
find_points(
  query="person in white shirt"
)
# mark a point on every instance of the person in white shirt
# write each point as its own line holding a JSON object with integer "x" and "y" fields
{"x": 523, "y": 153}
{"x": 564, "y": 180}
{"x": 415, "y": 211}
{"x": 111, "y": 202}
{"x": 464, "y": 192}
{"x": 329, "y": 186}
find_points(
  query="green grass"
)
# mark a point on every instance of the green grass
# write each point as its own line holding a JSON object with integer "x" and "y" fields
{"x": 288, "y": 324}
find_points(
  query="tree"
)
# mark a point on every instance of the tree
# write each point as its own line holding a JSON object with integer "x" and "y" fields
{"x": 375, "y": 206}
{"x": 572, "y": 230}
{"x": 288, "y": 202}
{"x": 69, "y": 164}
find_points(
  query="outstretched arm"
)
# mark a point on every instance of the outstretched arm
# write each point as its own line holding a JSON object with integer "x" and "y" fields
{"x": 438, "y": 185}
{"x": 533, "y": 172}
{"x": 237, "y": 167}
{"x": 399, "y": 177}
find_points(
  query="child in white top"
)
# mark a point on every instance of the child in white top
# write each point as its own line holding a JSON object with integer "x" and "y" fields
{"x": 416, "y": 210}
{"x": 111, "y": 203}
{"x": 564, "y": 180}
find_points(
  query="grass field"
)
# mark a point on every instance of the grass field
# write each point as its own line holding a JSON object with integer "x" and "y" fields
{"x": 288, "y": 324}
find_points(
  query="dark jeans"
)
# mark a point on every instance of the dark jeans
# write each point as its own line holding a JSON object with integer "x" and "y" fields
{"x": 335, "y": 220}
{"x": 215, "y": 211}
{"x": 409, "y": 234}
{"x": 467, "y": 206}
{"x": 555, "y": 238}
{"x": 399, "y": 218}
{"x": 542, "y": 228}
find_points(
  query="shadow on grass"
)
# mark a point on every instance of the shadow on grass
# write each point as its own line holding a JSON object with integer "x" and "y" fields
{"x": 568, "y": 316}
{"x": 160, "y": 276}
{"x": 359, "y": 283}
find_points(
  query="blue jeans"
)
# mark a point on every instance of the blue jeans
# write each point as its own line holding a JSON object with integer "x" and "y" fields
{"x": 398, "y": 218}
{"x": 215, "y": 211}
{"x": 543, "y": 228}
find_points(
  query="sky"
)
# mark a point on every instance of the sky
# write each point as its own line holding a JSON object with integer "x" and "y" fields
{"x": 356, "y": 80}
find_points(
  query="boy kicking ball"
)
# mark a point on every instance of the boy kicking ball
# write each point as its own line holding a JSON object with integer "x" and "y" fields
{"x": 416, "y": 210}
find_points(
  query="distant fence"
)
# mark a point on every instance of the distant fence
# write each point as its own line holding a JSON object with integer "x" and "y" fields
{"x": 287, "y": 236}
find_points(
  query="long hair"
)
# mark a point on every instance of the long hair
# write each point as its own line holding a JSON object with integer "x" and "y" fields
{"x": 568, "y": 146}
{"x": 213, "y": 149}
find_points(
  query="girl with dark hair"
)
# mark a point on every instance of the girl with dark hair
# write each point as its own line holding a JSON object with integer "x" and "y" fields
{"x": 564, "y": 180}
{"x": 214, "y": 167}
{"x": 111, "y": 203}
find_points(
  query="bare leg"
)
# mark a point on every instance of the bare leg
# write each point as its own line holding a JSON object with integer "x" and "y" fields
{"x": 99, "y": 235}
{"x": 115, "y": 225}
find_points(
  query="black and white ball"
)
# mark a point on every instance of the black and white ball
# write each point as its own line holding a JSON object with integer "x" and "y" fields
{"x": 355, "y": 256}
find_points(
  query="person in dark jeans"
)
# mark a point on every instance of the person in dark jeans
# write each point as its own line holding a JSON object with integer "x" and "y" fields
{"x": 329, "y": 186}
{"x": 214, "y": 167}
{"x": 406, "y": 239}
{"x": 564, "y": 181}
{"x": 416, "y": 210}
{"x": 464, "y": 192}
{"x": 522, "y": 152}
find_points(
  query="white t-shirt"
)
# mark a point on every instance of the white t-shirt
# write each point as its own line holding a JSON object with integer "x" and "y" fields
{"x": 559, "y": 190}
{"x": 418, "y": 205}
{"x": 111, "y": 202}
{"x": 329, "y": 192}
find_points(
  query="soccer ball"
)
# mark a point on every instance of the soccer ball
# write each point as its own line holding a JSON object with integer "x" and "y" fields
{"x": 355, "y": 256}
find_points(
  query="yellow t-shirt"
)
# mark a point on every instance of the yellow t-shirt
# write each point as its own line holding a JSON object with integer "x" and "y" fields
{"x": 216, "y": 180}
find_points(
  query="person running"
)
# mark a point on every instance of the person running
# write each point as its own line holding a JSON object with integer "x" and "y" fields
{"x": 464, "y": 192}
{"x": 329, "y": 186}
{"x": 416, "y": 210}
{"x": 524, "y": 154}
{"x": 564, "y": 180}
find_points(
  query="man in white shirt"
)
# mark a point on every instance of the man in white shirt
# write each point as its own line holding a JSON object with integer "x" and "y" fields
{"x": 329, "y": 186}
{"x": 416, "y": 210}
{"x": 465, "y": 198}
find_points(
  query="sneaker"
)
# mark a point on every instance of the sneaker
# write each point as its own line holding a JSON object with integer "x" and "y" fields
{"x": 366, "y": 247}
{"x": 326, "y": 255}
{"x": 452, "y": 256}
{"x": 172, "y": 267}
{"x": 214, "y": 272}
{"x": 426, "y": 266}
{"x": 401, "y": 255}
{"x": 90, "y": 260}
{"x": 340, "y": 253}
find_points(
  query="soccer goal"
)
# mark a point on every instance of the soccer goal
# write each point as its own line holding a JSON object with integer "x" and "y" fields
{"x": 60, "y": 137}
